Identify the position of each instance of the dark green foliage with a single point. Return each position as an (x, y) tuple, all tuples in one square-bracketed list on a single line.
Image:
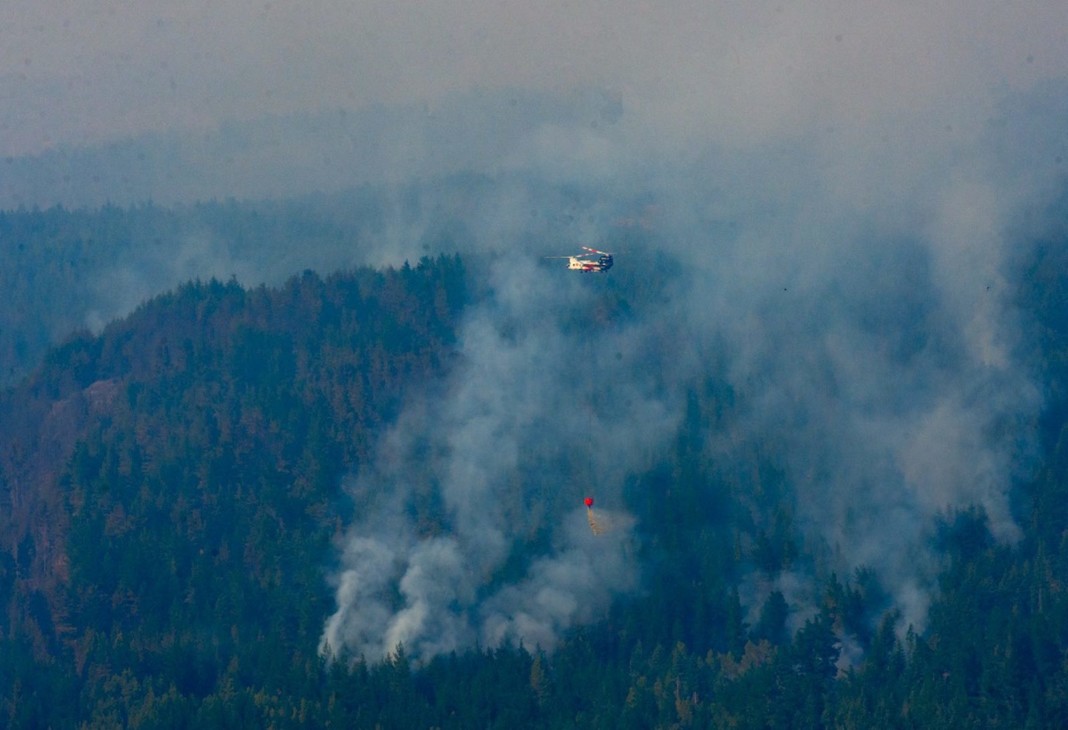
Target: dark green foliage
[(206, 436), (168, 568)]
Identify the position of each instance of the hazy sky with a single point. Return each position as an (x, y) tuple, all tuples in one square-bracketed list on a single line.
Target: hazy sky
[(83, 71)]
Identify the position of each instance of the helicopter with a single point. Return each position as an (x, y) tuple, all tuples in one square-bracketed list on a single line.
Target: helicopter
[(591, 261)]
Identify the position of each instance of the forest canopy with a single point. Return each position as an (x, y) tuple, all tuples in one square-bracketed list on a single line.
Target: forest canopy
[(185, 492)]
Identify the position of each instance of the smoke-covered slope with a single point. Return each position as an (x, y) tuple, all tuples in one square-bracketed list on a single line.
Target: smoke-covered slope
[(392, 465), (818, 401)]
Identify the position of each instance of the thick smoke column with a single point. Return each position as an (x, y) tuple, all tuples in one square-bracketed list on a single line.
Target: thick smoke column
[(844, 196), (499, 462), (869, 341), (874, 349)]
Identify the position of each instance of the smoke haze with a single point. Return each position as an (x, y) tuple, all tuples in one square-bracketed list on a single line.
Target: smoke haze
[(861, 309), (520, 434), (844, 191)]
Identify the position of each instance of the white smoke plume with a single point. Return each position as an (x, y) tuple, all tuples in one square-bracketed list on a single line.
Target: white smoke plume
[(858, 306), (877, 349), (504, 455), (843, 193)]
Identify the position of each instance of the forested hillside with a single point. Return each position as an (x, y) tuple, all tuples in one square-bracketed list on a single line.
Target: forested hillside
[(75, 268), (172, 505), (183, 467), (78, 269)]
